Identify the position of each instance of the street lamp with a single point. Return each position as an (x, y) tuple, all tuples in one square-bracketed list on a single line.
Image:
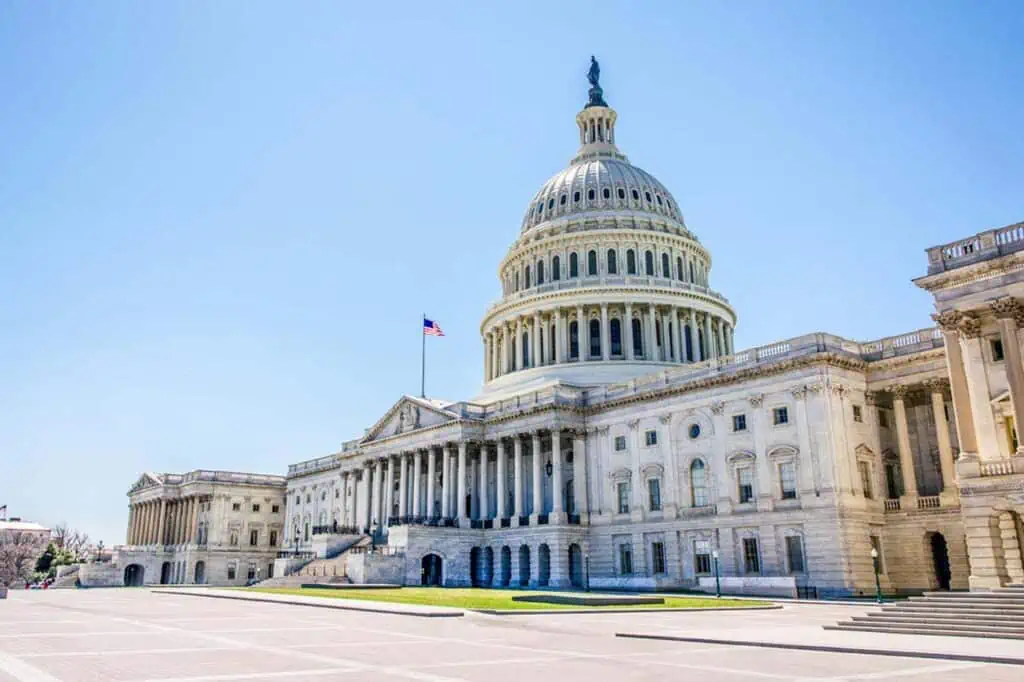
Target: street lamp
[(878, 584), (548, 468), (718, 583)]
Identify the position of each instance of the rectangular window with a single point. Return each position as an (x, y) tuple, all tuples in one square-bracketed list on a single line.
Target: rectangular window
[(658, 557), (275, 508), (751, 560), (654, 494), (780, 415), (234, 538), (997, 350), (883, 419), (857, 415), (865, 480), (298, 499), (702, 557), (231, 571), (620, 443), (795, 554), (746, 482), (651, 438), (739, 422), (876, 545), (252, 570), (625, 559), (255, 508), (273, 538), (254, 537), (236, 506), (787, 476), (623, 493)]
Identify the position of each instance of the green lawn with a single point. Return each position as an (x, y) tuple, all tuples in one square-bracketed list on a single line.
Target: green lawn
[(476, 598)]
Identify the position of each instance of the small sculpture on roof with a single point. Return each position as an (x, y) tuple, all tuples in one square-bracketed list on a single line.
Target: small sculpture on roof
[(595, 92)]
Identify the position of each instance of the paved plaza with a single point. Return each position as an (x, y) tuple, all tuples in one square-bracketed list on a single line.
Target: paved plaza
[(135, 635)]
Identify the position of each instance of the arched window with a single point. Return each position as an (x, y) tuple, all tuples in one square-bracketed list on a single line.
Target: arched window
[(698, 484), (561, 200), (630, 262), (540, 272), (574, 265), (527, 280), (576, 197), (647, 195), (590, 194), (592, 263), (613, 266), (679, 268), (574, 336), (556, 269), (595, 338), (606, 193), (525, 345), (622, 193), (551, 344), (691, 271), (666, 270), (648, 263), (638, 338), (517, 281), (636, 196), (616, 337)]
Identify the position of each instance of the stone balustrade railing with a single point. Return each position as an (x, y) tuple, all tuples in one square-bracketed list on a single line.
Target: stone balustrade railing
[(576, 283), (892, 504), (979, 247), (1003, 467), (929, 502), (223, 477), (313, 465)]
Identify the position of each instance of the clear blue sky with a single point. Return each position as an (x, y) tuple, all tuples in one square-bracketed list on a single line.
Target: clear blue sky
[(220, 222)]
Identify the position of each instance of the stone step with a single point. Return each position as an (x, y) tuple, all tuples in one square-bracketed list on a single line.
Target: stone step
[(918, 630), (945, 612), (964, 599), (1012, 625), (965, 606)]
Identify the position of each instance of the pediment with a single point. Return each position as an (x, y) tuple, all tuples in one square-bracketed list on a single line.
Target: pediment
[(146, 480), (407, 415)]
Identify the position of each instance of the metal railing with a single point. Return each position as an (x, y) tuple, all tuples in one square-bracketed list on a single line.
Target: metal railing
[(335, 529)]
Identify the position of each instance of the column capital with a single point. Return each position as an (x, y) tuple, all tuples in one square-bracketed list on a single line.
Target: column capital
[(718, 407), (937, 385), (948, 321), (756, 400), (1007, 308), (969, 326), (898, 391), (871, 397), (799, 393)]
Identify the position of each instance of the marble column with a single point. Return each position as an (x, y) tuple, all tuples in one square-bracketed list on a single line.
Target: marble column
[(504, 349), (666, 344), (344, 500), (517, 473), (942, 435), (605, 333), (559, 345), (651, 342), (978, 388), (719, 339), (694, 337), (557, 503), (460, 497), (538, 488), (579, 472), (162, 524), (378, 492), (417, 483), (1007, 312), (368, 487), (903, 442), (517, 351), (958, 383), (536, 358), (446, 481), (482, 483), (403, 488), (193, 524), (627, 332), (389, 491), (677, 330), (580, 332), (431, 480), (709, 346), (501, 488), (129, 537)]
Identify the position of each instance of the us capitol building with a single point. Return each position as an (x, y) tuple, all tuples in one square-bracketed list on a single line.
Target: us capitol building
[(621, 441)]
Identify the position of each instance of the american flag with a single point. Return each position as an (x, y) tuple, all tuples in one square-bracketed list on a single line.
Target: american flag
[(431, 328)]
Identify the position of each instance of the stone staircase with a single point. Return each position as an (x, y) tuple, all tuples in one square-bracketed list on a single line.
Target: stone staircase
[(999, 613), (331, 571)]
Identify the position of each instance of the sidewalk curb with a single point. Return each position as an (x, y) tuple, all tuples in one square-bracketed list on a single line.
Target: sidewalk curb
[(326, 605), (599, 610), (830, 649)]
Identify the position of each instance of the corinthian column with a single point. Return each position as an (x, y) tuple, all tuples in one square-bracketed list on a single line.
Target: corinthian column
[(1008, 311), (518, 351), (431, 477), (460, 501), (605, 336), (627, 331), (958, 383), (536, 360), (417, 467), (942, 433), (677, 331), (899, 393)]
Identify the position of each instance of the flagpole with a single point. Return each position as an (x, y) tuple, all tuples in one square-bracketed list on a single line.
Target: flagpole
[(423, 358)]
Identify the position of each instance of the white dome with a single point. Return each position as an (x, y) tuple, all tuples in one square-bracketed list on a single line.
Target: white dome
[(600, 184)]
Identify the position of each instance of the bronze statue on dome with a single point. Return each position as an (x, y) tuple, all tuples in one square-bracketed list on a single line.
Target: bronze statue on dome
[(595, 92)]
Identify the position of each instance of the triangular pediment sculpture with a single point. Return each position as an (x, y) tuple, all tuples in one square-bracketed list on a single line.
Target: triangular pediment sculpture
[(407, 415)]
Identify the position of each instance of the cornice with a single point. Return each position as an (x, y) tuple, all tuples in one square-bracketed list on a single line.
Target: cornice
[(975, 272), (903, 360)]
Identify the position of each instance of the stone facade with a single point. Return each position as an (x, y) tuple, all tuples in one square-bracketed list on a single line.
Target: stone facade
[(621, 441)]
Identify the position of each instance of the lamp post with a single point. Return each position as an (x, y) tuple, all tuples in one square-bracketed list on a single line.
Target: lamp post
[(296, 543), (878, 584), (718, 583)]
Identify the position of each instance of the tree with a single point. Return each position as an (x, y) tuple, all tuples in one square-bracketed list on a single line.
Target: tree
[(46, 559), (69, 539), (18, 553)]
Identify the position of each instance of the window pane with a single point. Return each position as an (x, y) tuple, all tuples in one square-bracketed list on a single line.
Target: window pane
[(698, 484), (654, 493), (751, 560), (795, 554), (623, 492), (787, 474), (746, 483)]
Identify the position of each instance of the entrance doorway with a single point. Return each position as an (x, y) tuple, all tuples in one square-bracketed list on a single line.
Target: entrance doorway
[(940, 559), (575, 565), (474, 567), (134, 575), (200, 574), (431, 572), (166, 573)]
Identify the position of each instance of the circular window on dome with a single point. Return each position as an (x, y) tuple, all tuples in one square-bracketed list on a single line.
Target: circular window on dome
[(622, 193), (636, 195), (694, 431), (590, 194), (607, 193), (562, 200), (576, 197), (648, 195)]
